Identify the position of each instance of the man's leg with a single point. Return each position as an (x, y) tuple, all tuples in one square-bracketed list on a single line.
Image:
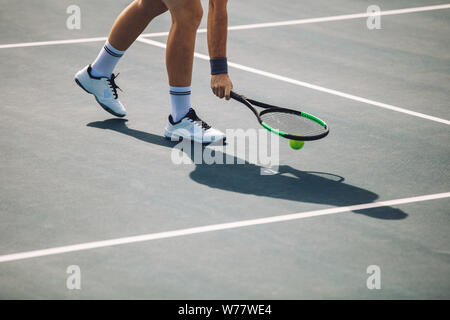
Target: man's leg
[(97, 78), (125, 30), (186, 17), (183, 121), (132, 22)]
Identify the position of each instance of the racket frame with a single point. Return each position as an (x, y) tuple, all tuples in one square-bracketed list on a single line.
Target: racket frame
[(271, 108)]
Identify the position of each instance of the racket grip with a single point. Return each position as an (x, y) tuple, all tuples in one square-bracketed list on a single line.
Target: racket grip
[(237, 96)]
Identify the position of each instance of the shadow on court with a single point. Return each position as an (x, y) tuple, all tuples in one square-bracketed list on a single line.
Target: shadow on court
[(289, 183)]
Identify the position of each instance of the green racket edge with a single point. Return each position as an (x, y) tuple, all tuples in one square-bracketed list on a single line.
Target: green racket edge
[(284, 134)]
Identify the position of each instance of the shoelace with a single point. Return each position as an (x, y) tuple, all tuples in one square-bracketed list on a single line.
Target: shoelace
[(113, 85), (192, 116)]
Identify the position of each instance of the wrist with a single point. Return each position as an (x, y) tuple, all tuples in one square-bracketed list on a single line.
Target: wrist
[(219, 66)]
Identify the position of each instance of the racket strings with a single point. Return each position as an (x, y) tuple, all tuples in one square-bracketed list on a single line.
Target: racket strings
[(292, 124)]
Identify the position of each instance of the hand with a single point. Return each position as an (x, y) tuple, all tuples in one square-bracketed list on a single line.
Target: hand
[(221, 85)]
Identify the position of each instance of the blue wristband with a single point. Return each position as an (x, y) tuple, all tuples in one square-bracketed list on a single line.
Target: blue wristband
[(218, 65)]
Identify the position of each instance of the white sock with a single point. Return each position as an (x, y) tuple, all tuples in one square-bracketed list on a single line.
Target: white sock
[(106, 61), (181, 102)]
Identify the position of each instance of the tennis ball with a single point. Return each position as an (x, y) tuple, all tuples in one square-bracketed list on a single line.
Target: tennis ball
[(296, 144)]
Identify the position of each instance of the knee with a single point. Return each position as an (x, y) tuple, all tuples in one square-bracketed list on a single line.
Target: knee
[(197, 15), (188, 15), (151, 7), (218, 3)]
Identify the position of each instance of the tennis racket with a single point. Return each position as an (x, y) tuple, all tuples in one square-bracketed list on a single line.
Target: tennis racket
[(287, 123)]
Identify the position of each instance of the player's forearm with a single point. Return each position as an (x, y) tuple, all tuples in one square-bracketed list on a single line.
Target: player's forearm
[(217, 28)]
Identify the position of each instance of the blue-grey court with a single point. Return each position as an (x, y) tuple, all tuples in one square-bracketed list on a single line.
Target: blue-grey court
[(73, 175)]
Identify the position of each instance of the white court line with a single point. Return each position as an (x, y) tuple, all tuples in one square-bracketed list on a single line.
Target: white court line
[(244, 26), (335, 18), (310, 86), (50, 43), (214, 227), (70, 41)]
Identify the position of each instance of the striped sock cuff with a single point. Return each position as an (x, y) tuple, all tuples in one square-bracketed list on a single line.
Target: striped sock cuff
[(180, 91), (175, 93), (113, 51)]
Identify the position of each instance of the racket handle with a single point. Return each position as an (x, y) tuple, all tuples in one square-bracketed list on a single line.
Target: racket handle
[(237, 96), (241, 98)]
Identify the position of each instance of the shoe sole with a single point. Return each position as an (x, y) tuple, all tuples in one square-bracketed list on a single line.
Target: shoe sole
[(106, 108)]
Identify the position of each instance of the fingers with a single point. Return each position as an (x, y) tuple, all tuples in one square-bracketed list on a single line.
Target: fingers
[(228, 92), (221, 86), (219, 91)]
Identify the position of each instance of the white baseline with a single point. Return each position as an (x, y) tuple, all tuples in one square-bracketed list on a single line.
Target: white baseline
[(335, 18), (244, 26), (214, 227)]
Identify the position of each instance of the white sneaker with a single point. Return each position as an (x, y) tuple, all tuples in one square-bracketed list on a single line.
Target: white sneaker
[(191, 127), (103, 89)]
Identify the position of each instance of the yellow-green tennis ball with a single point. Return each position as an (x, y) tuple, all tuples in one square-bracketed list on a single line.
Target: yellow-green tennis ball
[(296, 144)]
